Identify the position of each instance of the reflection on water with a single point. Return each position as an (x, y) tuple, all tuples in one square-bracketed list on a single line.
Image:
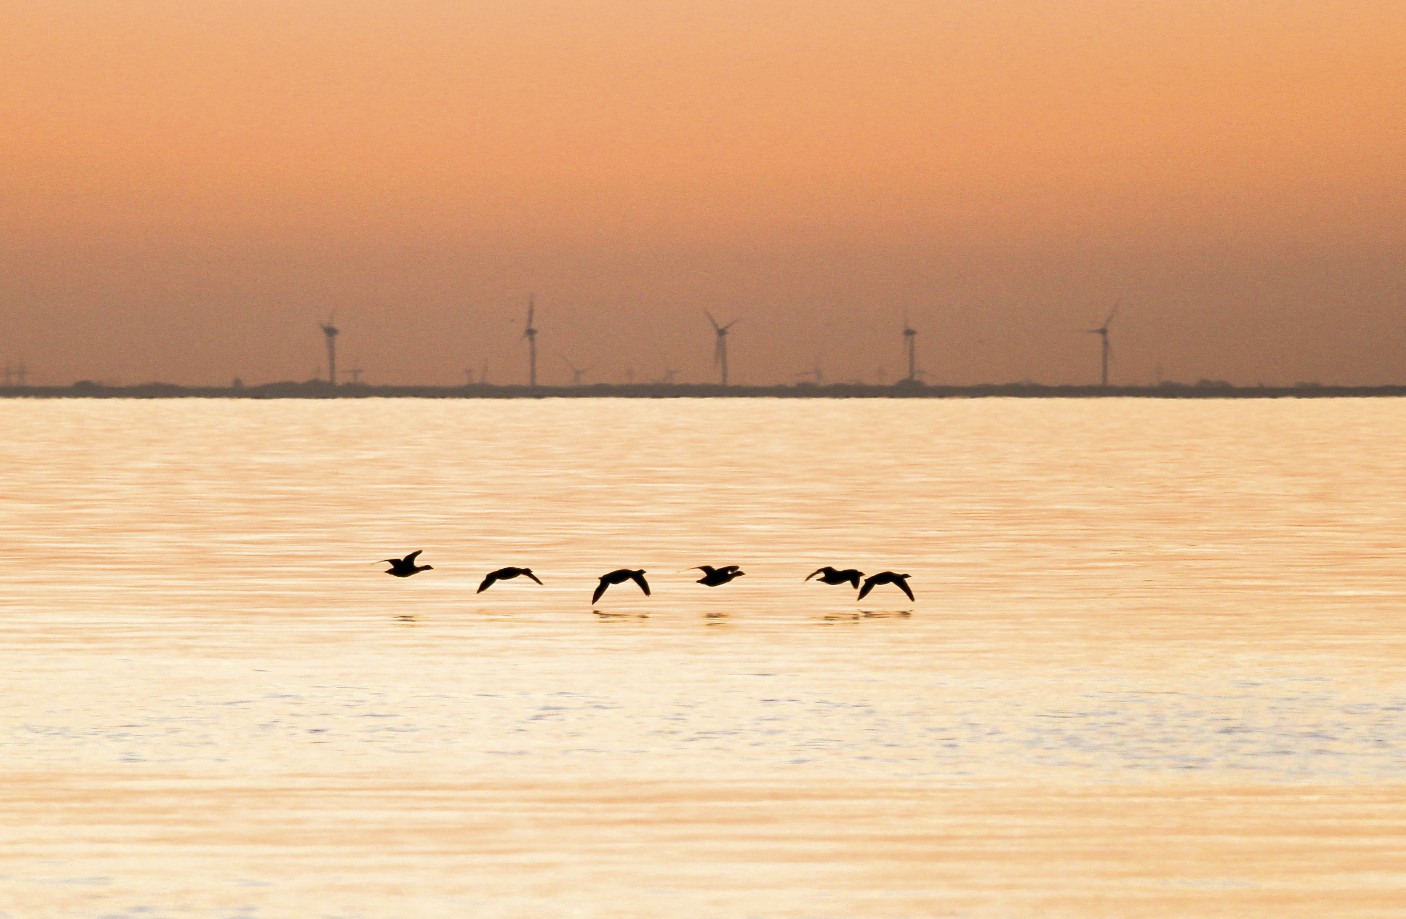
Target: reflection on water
[(1152, 674)]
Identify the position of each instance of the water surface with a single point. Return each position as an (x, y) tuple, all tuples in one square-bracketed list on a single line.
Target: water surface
[(1154, 668)]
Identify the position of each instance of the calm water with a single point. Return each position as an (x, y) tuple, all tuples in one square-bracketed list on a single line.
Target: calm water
[(1156, 664)]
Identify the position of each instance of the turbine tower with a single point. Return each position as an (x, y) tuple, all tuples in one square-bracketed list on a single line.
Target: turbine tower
[(331, 331), (720, 347), (1107, 349), (910, 341), (530, 334)]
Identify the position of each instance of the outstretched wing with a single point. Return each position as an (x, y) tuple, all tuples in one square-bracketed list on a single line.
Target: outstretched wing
[(903, 586), (600, 589), (410, 559), (853, 575), (864, 591), (488, 582), (638, 578), (528, 572), (814, 573), (708, 570)]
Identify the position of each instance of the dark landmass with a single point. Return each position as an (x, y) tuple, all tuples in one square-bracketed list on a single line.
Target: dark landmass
[(317, 389)]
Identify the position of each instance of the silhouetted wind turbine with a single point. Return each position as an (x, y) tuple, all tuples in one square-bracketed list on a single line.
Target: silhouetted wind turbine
[(720, 348), (816, 374), (668, 378), (331, 331), (576, 372), (1107, 349), (530, 334), (910, 340)]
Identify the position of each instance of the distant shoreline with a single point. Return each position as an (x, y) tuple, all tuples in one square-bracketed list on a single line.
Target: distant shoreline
[(904, 390)]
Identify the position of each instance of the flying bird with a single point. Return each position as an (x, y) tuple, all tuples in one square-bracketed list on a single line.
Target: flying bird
[(619, 576), (405, 567), (503, 574), (886, 577), (712, 577), (829, 575)]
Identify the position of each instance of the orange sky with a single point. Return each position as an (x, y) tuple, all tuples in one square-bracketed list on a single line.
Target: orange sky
[(188, 187)]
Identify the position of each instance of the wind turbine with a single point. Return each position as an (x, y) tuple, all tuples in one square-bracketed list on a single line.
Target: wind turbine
[(331, 331), (576, 372), (816, 374), (910, 341), (1107, 349), (530, 334), (670, 374), (720, 348)]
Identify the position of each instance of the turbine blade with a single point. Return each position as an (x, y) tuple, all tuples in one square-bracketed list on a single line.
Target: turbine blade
[(1111, 313), (712, 320)]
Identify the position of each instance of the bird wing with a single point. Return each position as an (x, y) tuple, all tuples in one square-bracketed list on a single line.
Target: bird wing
[(638, 578), (814, 573), (410, 559), (489, 580), (853, 578), (868, 586), (600, 589), (706, 569), (528, 572), (903, 586)]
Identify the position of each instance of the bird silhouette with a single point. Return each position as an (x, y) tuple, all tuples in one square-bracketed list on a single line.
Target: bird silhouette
[(886, 577), (503, 574), (405, 567), (829, 575), (619, 576), (712, 577)]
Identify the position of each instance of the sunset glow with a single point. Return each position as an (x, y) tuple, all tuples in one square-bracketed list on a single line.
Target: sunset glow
[(189, 186)]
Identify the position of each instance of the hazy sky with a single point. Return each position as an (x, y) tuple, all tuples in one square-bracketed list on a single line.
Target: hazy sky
[(187, 188)]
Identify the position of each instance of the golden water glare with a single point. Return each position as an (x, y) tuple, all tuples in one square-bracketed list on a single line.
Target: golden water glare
[(1154, 669)]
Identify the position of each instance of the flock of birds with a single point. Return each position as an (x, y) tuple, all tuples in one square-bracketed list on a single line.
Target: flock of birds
[(712, 577)]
